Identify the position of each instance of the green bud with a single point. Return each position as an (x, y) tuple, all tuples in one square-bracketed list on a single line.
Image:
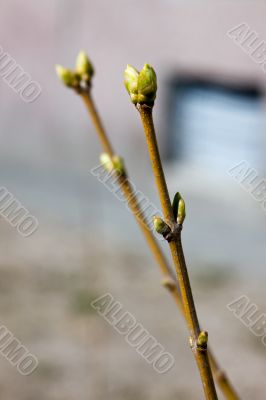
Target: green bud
[(68, 77), (141, 86), (179, 208), (131, 80), (84, 67), (202, 339), (118, 165), (181, 214), (147, 85), (160, 226), (106, 162)]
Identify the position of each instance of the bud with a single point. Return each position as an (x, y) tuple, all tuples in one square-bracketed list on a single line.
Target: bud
[(84, 67), (131, 79), (141, 86), (68, 77), (168, 282), (106, 162), (160, 226), (202, 339), (181, 214), (118, 165), (147, 85), (179, 208)]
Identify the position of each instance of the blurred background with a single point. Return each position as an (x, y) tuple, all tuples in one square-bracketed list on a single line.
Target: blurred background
[(210, 115)]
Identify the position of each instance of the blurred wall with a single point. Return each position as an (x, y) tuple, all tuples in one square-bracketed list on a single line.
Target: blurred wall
[(48, 146), (170, 35)]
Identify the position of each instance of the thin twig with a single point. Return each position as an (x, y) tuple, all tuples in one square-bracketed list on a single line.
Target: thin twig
[(168, 278), (201, 354)]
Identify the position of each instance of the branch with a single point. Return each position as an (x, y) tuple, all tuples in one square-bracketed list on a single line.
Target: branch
[(168, 279), (175, 244)]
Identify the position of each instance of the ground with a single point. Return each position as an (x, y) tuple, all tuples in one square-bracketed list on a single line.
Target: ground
[(46, 286)]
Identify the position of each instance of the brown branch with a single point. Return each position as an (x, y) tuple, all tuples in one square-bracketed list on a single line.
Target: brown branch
[(175, 245), (168, 278)]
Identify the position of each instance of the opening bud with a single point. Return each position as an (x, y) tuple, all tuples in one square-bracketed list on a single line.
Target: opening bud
[(84, 67), (141, 86), (68, 77), (131, 80), (147, 84)]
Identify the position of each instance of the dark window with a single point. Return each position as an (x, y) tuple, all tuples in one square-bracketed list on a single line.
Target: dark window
[(214, 124)]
